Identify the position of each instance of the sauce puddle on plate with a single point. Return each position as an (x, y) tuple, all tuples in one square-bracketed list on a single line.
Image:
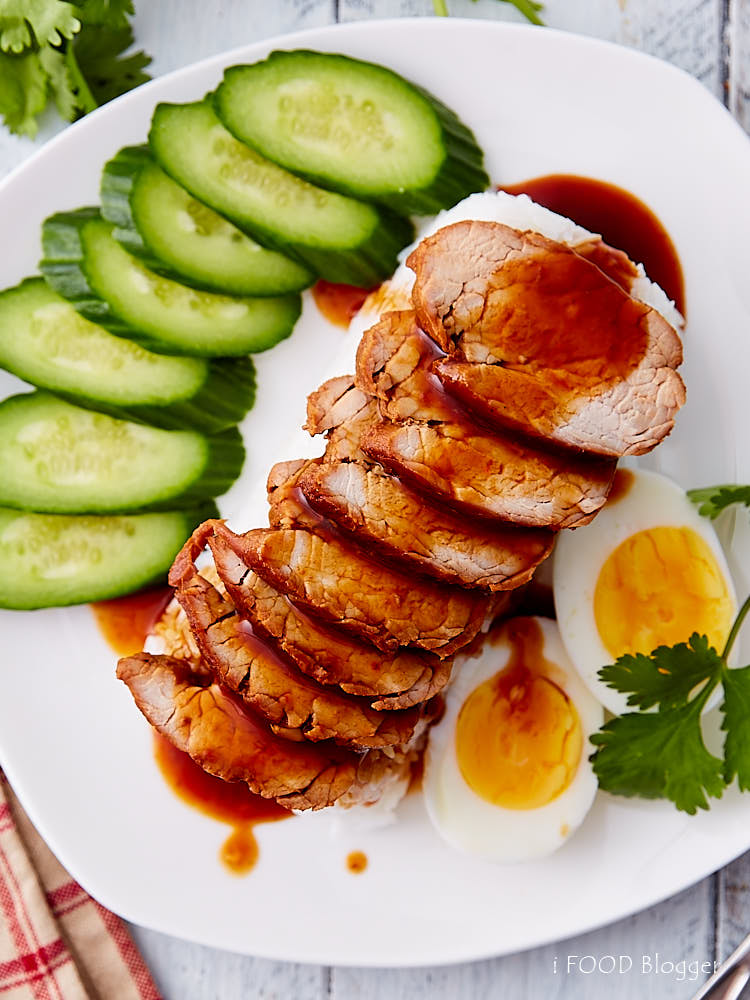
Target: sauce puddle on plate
[(339, 303), (622, 220), (125, 622), (228, 801)]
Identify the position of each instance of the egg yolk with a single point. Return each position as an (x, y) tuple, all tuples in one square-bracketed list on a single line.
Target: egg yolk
[(518, 739), (657, 588)]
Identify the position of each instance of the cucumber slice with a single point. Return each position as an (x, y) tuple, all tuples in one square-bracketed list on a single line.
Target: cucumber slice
[(340, 239), (58, 458), (45, 341), (51, 560), (85, 264), (354, 127), (180, 237)]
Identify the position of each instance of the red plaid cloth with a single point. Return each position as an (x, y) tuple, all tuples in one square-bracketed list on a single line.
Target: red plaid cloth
[(56, 942)]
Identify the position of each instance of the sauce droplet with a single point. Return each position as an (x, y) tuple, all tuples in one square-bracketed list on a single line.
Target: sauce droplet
[(356, 862), (621, 484), (228, 801), (416, 774), (339, 303), (622, 220), (126, 621)]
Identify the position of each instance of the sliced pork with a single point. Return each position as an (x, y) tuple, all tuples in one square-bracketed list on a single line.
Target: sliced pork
[(392, 680), (382, 512), (295, 705), (287, 505), (354, 411), (395, 362), (542, 340), (432, 443), (492, 475), (204, 720), (339, 583)]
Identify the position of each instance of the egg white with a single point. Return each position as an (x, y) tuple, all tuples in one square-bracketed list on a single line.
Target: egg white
[(466, 820), (651, 500)]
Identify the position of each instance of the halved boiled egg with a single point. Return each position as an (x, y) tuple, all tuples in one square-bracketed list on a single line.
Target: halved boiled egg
[(507, 776), (648, 571)]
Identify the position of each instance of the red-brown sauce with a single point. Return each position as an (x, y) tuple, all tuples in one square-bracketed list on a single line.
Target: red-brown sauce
[(126, 621), (356, 862), (339, 303), (623, 221), (230, 802), (416, 775), (621, 484), (526, 641)]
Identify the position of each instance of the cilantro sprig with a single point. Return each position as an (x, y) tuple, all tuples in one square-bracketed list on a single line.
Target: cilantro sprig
[(69, 52), (529, 8), (661, 754), (714, 500)]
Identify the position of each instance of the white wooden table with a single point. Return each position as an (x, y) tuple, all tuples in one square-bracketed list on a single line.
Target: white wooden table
[(711, 40)]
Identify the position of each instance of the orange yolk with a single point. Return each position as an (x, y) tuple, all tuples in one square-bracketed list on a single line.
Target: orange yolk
[(518, 739), (657, 588)]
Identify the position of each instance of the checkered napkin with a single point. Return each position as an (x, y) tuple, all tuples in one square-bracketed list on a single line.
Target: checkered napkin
[(56, 942)]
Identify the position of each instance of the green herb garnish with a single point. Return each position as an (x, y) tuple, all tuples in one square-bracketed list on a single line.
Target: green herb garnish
[(713, 500), (661, 754), (71, 52)]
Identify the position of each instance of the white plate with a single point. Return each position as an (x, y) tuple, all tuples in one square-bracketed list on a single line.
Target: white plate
[(71, 741)]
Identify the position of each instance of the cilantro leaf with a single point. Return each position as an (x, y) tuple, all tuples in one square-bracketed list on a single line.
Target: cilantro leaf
[(23, 91), (60, 83), (46, 22), (113, 13), (712, 500), (666, 677), (659, 755), (736, 723), (98, 54), (71, 52)]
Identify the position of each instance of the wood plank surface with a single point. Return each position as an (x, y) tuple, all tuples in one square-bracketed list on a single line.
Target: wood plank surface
[(637, 957), (711, 40), (186, 971), (687, 33), (738, 43)]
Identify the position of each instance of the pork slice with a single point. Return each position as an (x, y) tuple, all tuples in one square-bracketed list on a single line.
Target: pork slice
[(391, 680), (329, 578), (385, 513), (287, 506), (629, 418), (614, 263), (492, 475), (332, 403), (580, 362), (351, 412), (295, 705), (203, 719), (395, 362)]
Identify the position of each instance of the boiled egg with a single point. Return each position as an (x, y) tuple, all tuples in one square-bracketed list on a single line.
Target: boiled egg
[(507, 776), (648, 571)]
